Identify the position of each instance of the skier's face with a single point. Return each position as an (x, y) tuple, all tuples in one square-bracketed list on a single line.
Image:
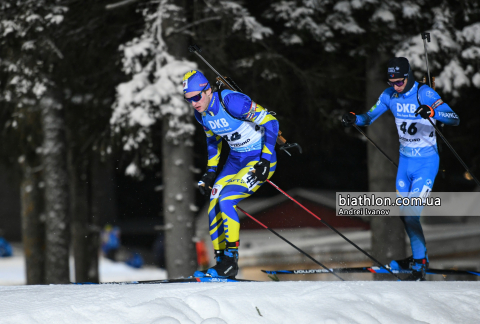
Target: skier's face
[(202, 104), (401, 87)]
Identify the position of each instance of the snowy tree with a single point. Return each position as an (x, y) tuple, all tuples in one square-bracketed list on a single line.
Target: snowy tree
[(155, 93), (30, 53), (453, 51)]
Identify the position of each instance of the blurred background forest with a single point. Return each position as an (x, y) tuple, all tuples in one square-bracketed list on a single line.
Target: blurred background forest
[(94, 129)]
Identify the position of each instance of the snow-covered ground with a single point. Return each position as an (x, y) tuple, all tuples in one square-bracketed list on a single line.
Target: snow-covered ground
[(217, 303), (12, 270), (248, 302)]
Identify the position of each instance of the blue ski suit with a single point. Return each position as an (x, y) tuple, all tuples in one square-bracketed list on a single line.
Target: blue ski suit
[(419, 159), (251, 132)]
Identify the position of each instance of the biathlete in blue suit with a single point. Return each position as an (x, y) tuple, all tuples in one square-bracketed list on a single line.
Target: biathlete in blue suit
[(251, 132), (411, 104)]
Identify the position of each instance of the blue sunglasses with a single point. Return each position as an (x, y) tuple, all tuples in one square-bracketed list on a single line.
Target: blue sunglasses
[(397, 83), (196, 98)]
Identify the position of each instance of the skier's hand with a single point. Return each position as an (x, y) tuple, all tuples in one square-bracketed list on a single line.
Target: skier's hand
[(348, 119), (262, 169), (425, 111), (206, 183)]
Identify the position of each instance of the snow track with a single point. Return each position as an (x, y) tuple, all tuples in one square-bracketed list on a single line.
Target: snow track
[(248, 302)]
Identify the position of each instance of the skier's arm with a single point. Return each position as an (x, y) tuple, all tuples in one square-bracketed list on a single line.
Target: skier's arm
[(376, 111), (242, 107), (214, 145), (446, 115), (270, 123), (441, 110)]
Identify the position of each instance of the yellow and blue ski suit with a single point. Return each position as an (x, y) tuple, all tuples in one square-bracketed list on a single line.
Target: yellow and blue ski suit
[(251, 132)]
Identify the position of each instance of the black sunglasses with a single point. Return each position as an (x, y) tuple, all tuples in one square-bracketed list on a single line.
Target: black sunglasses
[(397, 83), (196, 98)]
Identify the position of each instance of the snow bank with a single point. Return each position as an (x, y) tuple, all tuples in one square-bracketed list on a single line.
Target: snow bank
[(12, 271), (252, 302)]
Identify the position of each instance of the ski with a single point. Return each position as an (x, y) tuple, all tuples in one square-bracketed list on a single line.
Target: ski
[(370, 270), (164, 281)]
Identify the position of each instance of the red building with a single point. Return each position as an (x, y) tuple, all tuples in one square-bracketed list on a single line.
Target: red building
[(280, 212)]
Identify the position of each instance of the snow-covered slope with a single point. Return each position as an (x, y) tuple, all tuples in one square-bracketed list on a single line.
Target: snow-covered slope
[(250, 302), (12, 271)]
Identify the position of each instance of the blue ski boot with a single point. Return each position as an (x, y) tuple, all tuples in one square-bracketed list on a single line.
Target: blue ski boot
[(419, 268), (228, 266), (405, 264), (219, 255)]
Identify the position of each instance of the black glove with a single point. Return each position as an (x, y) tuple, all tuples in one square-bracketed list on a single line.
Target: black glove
[(262, 169), (206, 183), (348, 119), (425, 111)]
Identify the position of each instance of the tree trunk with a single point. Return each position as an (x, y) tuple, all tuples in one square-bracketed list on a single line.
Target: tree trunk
[(178, 193), (84, 234), (388, 235), (56, 191), (33, 227)]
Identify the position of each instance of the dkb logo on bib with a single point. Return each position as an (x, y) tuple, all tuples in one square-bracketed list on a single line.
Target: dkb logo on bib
[(219, 123)]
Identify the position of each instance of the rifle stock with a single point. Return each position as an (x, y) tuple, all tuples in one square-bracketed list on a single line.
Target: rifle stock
[(433, 81)]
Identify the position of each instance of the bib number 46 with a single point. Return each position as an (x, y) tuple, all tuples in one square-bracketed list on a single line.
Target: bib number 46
[(412, 129)]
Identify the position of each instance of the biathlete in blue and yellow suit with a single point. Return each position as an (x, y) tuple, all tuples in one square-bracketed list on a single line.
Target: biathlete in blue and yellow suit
[(251, 132), (411, 104)]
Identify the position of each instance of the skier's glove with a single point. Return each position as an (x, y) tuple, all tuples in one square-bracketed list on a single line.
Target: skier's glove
[(262, 169), (425, 111), (348, 119), (206, 183)]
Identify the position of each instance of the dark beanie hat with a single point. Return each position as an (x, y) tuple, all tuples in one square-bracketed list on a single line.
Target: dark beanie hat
[(398, 67)]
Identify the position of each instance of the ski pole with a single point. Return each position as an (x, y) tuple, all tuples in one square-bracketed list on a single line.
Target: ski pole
[(454, 152), (426, 38), (363, 133), (333, 229), (297, 248)]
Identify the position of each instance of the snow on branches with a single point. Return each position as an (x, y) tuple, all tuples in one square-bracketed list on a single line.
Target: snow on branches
[(359, 27), (243, 20), (26, 27), (452, 52), (154, 91)]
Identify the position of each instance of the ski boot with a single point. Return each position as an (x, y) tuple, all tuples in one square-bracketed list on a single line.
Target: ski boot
[(406, 264), (419, 268), (228, 266), (219, 255)]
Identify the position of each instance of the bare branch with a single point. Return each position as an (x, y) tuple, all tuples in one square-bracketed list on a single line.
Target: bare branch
[(54, 48), (119, 4), (193, 24)]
